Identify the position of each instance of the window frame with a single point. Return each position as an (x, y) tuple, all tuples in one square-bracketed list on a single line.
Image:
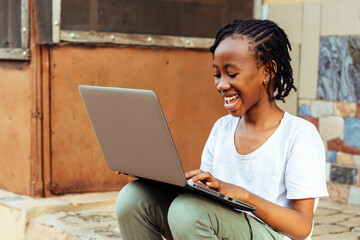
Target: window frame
[(22, 53), (147, 40)]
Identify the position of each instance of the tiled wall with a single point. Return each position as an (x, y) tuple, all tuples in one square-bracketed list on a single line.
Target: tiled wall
[(339, 68), (327, 73), (339, 126)]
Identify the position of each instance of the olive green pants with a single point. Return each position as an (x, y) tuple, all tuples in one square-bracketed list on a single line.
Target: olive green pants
[(151, 211)]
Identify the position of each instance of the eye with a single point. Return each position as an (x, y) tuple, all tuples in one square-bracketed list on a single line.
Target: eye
[(232, 75), (217, 75)]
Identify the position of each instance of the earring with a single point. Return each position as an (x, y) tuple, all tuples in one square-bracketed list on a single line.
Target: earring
[(265, 81)]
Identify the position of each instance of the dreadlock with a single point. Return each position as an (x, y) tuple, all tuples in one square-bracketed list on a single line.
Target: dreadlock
[(269, 44)]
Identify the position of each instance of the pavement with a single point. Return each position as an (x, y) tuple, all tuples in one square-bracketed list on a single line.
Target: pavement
[(334, 220), (91, 217), (95, 224)]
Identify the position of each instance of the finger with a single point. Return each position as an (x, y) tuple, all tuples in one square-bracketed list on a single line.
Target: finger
[(214, 185), (193, 173), (203, 176), (201, 183)]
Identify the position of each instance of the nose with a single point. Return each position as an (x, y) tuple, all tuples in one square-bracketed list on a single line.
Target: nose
[(222, 85)]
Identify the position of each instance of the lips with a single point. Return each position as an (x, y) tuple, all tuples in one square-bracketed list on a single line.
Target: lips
[(230, 102)]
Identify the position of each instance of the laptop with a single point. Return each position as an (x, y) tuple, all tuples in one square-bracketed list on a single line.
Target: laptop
[(134, 138)]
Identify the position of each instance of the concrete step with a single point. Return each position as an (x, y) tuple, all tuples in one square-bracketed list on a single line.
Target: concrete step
[(91, 216), (94, 224), (74, 216)]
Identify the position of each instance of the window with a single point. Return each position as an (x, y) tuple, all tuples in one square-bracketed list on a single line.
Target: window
[(14, 29), (172, 23)]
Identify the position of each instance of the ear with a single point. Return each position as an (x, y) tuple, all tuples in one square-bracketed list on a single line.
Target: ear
[(272, 69)]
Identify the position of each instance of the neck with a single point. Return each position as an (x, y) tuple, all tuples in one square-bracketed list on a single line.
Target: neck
[(262, 116)]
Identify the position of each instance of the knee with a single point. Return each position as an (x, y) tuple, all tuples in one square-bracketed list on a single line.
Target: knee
[(187, 212), (130, 198), (186, 205)]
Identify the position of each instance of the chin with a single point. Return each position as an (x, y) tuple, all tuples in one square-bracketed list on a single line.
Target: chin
[(236, 114)]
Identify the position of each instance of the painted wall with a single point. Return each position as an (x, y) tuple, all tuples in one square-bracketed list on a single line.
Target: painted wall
[(15, 126), (47, 145), (21, 118), (182, 79)]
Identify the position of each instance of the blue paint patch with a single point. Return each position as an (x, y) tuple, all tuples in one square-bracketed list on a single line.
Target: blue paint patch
[(304, 110), (352, 131), (331, 156)]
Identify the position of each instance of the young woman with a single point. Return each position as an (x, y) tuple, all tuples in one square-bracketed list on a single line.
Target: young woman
[(258, 154)]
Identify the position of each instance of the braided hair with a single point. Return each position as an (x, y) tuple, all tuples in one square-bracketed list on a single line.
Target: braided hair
[(269, 44)]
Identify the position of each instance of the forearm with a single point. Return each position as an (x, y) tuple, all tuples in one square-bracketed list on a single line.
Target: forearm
[(295, 222)]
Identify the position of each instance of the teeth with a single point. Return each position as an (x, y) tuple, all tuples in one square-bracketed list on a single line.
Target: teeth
[(231, 98)]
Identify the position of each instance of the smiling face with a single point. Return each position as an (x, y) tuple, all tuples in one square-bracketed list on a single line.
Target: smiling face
[(238, 78)]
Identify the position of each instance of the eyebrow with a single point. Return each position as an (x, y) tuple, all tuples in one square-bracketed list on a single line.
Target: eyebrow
[(226, 65)]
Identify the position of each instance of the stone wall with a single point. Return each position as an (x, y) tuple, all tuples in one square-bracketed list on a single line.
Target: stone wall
[(327, 76), (339, 126)]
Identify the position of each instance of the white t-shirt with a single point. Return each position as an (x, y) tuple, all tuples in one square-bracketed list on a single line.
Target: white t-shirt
[(289, 165)]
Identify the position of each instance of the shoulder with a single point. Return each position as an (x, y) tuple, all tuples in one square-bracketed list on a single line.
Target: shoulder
[(298, 124), (300, 129)]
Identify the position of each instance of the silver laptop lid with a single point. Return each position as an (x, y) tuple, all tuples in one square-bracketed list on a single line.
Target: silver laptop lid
[(132, 133)]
